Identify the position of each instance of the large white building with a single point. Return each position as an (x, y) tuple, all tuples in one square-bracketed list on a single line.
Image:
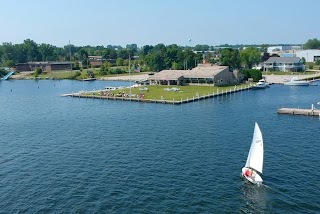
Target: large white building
[(284, 64), (310, 55)]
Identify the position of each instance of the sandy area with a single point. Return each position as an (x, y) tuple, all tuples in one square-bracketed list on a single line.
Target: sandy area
[(269, 78), (282, 78)]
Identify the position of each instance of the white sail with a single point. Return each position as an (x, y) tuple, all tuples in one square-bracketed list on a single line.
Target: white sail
[(255, 157)]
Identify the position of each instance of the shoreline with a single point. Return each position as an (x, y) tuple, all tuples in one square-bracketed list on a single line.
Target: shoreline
[(273, 79)]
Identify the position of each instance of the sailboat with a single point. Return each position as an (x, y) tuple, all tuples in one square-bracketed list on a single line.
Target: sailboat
[(254, 162)]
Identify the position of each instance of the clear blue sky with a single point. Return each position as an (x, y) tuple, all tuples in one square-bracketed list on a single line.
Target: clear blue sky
[(121, 22)]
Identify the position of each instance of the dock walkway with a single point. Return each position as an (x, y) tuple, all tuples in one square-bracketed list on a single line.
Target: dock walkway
[(6, 77), (298, 111)]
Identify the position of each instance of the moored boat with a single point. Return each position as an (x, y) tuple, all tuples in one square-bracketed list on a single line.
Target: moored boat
[(295, 81), (261, 84)]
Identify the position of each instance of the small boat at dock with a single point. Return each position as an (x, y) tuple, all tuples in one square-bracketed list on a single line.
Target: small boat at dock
[(261, 84)]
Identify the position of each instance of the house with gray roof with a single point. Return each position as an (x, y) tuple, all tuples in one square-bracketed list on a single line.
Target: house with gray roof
[(286, 64), (203, 74)]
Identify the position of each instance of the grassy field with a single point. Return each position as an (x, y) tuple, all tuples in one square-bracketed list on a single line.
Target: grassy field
[(67, 74), (158, 92)]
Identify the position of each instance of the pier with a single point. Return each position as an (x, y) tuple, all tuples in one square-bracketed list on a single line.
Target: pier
[(298, 111), (93, 95), (6, 77)]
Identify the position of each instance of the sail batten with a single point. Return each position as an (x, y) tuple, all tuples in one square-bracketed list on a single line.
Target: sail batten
[(255, 156)]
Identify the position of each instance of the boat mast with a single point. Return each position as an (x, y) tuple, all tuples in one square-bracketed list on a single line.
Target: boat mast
[(70, 56), (129, 77)]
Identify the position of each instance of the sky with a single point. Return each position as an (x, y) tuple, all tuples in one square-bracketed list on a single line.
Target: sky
[(151, 22)]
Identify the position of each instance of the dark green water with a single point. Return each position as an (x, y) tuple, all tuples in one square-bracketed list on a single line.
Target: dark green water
[(71, 155)]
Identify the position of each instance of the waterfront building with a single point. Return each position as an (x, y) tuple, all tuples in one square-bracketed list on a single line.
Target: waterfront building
[(203, 74), (96, 61), (284, 64), (45, 66)]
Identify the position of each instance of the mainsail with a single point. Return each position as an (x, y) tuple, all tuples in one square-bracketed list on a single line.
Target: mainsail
[(255, 156)]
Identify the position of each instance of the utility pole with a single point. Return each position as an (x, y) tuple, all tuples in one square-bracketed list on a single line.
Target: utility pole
[(70, 56)]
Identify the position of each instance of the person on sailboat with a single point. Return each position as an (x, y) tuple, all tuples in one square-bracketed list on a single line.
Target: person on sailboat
[(250, 173), (247, 172)]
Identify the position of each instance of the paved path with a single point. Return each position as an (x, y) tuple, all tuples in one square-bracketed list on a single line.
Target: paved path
[(280, 79)]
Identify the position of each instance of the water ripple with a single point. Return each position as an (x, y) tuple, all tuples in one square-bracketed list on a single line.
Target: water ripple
[(70, 155)]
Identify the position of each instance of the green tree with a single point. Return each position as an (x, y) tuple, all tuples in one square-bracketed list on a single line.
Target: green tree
[(85, 63), (119, 62), (9, 63), (106, 53), (155, 61), (113, 54), (145, 50), (171, 55), (104, 69), (3, 72), (32, 50), (201, 48), (83, 54), (46, 50), (311, 66), (312, 44), (75, 65), (9, 52), (249, 57), (265, 57), (37, 72), (230, 57), (256, 75)]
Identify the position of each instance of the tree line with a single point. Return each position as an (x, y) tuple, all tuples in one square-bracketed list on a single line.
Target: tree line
[(148, 57)]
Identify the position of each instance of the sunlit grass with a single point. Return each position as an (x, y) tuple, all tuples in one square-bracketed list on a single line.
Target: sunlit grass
[(157, 92)]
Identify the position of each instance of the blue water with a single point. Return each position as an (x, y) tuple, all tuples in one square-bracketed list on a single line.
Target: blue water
[(72, 155)]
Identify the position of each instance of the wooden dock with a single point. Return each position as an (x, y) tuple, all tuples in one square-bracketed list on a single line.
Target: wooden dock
[(91, 95), (298, 111)]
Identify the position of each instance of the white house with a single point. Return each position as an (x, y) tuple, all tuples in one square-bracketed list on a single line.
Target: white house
[(284, 64)]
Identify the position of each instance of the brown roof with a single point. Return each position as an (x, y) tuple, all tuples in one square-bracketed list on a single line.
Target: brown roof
[(202, 71)]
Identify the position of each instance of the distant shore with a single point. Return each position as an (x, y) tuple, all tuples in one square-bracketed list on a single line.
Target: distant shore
[(275, 79)]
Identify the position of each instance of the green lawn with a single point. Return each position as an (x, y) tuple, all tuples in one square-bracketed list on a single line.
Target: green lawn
[(185, 92), (66, 74)]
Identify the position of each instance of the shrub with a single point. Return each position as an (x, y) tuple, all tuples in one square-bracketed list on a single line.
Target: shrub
[(37, 72), (256, 75), (74, 75)]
